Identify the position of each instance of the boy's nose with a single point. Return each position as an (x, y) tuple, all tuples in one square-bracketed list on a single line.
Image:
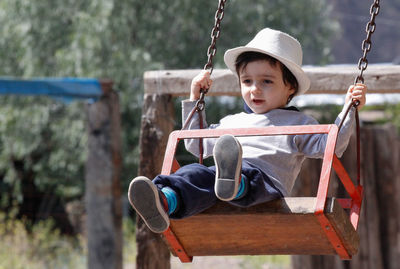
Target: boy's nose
[(254, 88)]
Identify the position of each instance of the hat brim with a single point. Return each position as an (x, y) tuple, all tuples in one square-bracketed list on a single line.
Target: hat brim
[(302, 79)]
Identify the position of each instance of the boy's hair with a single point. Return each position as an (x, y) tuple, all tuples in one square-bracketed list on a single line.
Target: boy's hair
[(251, 56)]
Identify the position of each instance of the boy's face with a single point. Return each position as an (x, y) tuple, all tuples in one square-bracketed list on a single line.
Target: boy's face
[(262, 86)]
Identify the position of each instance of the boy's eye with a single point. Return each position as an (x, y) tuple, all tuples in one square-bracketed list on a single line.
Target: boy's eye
[(267, 81), (246, 81)]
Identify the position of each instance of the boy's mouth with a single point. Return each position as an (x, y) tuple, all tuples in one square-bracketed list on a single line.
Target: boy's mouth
[(258, 101)]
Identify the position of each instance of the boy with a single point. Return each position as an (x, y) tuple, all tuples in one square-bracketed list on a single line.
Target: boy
[(248, 170)]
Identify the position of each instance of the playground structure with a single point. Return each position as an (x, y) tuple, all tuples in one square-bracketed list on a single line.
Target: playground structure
[(103, 196), (158, 121), (102, 174)]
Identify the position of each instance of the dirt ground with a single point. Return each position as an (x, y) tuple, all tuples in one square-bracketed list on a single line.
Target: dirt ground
[(208, 262), (225, 262)]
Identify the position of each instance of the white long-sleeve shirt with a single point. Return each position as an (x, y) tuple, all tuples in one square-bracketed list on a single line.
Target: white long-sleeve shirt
[(279, 157)]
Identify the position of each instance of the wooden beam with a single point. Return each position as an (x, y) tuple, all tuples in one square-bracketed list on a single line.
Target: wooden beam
[(103, 186), (157, 123), (324, 80), (106, 85)]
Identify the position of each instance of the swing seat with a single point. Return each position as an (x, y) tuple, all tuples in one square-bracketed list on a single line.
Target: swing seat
[(289, 226), (284, 226)]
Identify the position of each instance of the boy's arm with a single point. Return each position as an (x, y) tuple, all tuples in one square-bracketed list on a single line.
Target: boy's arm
[(201, 81), (192, 145), (354, 93), (313, 146), (357, 92)]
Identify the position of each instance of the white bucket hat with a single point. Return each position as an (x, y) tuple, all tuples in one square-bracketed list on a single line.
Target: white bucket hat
[(279, 45)]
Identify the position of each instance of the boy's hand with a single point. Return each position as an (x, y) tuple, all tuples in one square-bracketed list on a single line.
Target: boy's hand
[(201, 81), (357, 92)]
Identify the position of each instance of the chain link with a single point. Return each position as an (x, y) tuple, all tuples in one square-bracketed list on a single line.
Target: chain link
[(362, 65), (215, 33), (212, 49), (367, 44)]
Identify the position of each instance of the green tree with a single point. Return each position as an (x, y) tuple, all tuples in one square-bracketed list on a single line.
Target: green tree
[(118, 40), (177, 33)]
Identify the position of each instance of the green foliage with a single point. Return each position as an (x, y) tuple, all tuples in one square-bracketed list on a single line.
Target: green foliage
[(393, 112), (118, 40), (308, 21), (177, 34), (387, 113), (325, 114), (49, 138)]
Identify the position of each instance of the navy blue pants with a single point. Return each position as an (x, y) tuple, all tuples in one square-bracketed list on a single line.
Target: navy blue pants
[(194, 184)]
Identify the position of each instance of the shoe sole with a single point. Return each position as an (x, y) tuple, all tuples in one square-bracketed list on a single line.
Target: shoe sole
[(228, 161), (145, 199)]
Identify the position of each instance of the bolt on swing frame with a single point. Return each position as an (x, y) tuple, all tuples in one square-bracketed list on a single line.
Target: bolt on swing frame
[(330, 161)]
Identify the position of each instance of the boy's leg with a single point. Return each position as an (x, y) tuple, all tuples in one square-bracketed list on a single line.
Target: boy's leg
[(228, 162), (194, 186), (190, 190), (259, 187), (145, 198)]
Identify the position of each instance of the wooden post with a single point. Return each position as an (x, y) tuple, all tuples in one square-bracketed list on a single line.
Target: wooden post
[(102, 176), (157, 123), (387, 175)]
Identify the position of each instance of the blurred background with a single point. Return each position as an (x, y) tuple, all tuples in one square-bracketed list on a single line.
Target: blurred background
[(43, 141)]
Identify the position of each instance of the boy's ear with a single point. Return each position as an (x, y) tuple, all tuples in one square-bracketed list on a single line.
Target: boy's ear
[(292, 93)]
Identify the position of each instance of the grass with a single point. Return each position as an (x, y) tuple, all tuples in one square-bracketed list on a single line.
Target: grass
[(24, 246), (235, 262), (38, 246), (273, 262), (129, 241)]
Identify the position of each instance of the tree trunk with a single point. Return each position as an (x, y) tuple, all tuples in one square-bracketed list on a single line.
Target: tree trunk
[(157, 123), (103, 189), (380, 219), (36, 204)]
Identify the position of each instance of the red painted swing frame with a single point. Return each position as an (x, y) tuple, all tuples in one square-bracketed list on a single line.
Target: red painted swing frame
[(330, 160)]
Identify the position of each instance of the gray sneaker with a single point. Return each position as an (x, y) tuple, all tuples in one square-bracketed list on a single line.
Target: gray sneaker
[(228, 161), (144, 197)]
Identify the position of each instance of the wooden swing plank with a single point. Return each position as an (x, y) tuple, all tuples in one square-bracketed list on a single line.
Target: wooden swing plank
[(284, 226)]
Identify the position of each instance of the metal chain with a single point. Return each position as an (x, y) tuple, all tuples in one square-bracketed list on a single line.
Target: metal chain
[(362, 66), (212, 49), (367, 44), (215, 33)]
